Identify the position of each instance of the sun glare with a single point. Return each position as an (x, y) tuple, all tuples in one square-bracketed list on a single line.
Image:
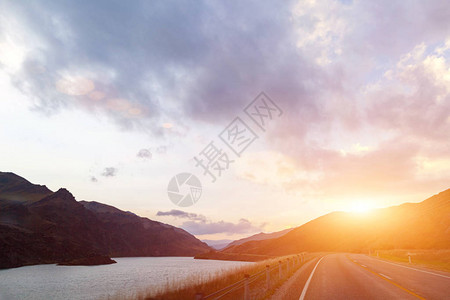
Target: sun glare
[(360, 207)]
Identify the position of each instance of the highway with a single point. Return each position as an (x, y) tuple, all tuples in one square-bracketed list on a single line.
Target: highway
[(357, 276)]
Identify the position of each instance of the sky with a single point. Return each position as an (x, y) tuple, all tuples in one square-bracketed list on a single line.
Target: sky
[(112, 99)]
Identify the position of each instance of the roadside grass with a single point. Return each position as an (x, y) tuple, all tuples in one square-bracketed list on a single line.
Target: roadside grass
[(434, 259), (187, 289), (292, 288)]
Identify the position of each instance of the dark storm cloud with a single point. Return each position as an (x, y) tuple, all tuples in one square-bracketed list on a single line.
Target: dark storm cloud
[(125, 49), (211, 58)]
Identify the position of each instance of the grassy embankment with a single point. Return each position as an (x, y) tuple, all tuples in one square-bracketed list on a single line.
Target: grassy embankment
[(217, 255), (187, 289), (435, 259)]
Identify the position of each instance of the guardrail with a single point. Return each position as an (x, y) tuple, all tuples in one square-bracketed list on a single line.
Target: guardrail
[(286, 267)]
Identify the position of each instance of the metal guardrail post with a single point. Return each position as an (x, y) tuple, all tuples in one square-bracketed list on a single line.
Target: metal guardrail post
[(246, 287), (267, 277), (280, 272)]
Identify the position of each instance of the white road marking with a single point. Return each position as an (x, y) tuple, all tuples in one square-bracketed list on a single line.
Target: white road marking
[(385, 276), (413, 269), (364, 266), (302, 296)]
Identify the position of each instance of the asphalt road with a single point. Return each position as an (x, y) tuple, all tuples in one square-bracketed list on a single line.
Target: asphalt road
[(357, 276)]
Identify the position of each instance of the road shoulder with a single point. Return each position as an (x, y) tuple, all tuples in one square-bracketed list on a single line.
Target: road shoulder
[(290, 289)]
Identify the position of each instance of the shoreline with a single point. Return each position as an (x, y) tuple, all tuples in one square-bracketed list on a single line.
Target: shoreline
[(215, 255)]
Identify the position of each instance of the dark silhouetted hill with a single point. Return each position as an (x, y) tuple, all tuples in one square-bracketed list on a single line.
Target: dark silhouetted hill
[(38, 226), (424, 225), (143, 236)]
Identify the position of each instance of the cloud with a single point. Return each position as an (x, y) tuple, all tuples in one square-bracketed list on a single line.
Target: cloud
[(144, 153), (189, 63), (402, 139), (140, 62), (147, 60), (414, 99), (109, 172), (161, 149), (182, 214), (199, 224), (241, 227), (147, 153), (344, 72)]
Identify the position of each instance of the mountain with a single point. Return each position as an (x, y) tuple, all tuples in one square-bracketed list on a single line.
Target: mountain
[(260, 237), (218, 244), (40, 226), (222, 244), (131, 235), (17, 189), (424, 225)]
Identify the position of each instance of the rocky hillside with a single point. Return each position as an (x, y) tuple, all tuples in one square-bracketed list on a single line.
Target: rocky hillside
[(40, 226), (424, 225)]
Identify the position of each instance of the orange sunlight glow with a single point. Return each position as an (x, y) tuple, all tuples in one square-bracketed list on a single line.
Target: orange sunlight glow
[(360, 206), (167, 125)]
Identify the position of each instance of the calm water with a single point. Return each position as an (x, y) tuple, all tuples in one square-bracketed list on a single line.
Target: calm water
[(129, 275)]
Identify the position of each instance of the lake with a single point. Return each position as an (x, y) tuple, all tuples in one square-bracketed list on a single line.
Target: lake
[(128, 276)]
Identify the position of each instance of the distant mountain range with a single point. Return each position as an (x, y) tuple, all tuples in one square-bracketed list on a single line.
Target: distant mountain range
[(40, 226), (259, 237), (424, 225), (222, 244), (218, 244)]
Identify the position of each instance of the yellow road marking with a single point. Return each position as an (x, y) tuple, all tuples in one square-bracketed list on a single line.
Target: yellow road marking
[(388, 280)]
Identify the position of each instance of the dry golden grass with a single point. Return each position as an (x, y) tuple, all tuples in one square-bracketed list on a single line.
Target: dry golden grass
[(187, 289), (435, 259)]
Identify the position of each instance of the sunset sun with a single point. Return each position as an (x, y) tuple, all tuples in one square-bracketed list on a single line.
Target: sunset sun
[(361, 206)]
